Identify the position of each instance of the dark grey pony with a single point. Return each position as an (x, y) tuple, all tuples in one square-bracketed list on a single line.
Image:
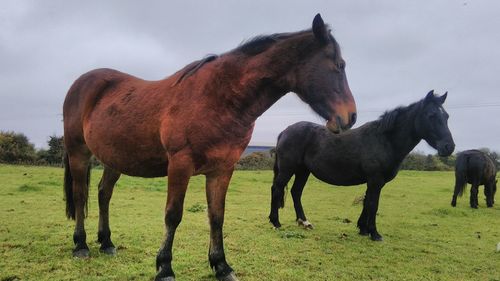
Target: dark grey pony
[(477, 168), (369, 154)]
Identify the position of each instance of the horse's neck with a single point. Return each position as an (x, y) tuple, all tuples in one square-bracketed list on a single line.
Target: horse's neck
[(254, 90), (404, 137)]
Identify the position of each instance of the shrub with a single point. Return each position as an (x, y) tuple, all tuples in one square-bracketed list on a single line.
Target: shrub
[(15, 148), (255, 161)]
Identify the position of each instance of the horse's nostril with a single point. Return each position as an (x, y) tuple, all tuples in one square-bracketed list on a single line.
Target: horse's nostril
[(449, 147), (352, 119)]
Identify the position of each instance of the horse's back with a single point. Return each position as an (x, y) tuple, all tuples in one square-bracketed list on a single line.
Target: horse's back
[(88, 88), (477, 166), (293, 141)]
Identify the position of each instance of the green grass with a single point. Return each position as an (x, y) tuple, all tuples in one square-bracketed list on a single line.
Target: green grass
[(424, 238)]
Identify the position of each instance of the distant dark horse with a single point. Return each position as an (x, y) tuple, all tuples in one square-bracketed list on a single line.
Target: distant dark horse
[(477, 168), (369, 154), (197, 121)]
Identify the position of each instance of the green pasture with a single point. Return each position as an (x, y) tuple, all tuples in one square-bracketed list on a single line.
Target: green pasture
[(424, 237)]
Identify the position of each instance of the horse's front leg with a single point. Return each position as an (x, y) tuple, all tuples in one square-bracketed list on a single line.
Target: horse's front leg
[(371, 205), (180, 169), (363, 220), (216, 188)]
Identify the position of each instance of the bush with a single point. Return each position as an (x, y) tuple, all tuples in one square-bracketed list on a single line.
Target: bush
[(15, 148), (420, 162), (256, 161), (53, 155)]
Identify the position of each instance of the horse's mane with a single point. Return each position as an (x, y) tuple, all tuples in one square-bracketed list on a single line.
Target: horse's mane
[(261, 43), (250, 47), (191, 68), (387, 121)]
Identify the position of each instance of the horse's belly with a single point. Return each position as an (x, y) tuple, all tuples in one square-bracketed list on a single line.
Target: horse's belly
[(341, 179), (132, 163), (127, 149)]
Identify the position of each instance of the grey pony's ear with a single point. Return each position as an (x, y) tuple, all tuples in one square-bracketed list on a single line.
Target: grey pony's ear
[(319, 29), (442, 98), (429, 97)]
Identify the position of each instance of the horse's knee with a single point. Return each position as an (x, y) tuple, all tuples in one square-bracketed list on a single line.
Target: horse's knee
[(173, 216)]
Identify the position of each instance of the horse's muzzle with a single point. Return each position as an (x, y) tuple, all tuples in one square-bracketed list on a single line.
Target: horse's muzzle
[(446, 149), (341, 123)]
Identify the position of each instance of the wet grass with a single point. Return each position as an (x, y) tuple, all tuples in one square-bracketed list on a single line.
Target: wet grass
[(424, 238)]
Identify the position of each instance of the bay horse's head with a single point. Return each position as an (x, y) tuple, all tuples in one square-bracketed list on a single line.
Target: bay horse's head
[(321, 82), (432, 124)]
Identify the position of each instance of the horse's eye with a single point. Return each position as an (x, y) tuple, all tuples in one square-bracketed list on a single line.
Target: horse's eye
[(341, 65)]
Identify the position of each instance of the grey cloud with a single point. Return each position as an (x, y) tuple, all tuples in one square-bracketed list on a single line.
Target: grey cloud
[(395, 50)]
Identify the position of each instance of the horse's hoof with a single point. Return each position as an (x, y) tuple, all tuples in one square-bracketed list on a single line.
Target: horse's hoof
[(364, 233), (111, 251), (305, 224), (276, 225), (82, 253), (230, 277), (377, 238)]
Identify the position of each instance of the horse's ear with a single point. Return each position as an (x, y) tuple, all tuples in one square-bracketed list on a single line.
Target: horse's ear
[(442, 98), (429, 97), (319, 29)]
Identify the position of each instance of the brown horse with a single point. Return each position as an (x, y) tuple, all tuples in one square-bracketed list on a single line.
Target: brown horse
[(197, 121)]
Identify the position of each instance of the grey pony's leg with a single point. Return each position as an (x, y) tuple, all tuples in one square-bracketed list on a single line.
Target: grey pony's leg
[(473, 196), (297, 188), (278, 196)]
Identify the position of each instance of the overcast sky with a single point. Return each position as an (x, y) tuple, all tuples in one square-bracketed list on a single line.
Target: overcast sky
[(396, 51)]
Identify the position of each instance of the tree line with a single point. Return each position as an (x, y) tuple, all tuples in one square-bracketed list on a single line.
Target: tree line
[(15, 148)]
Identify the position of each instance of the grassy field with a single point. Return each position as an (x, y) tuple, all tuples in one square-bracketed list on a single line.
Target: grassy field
[(424, 238)]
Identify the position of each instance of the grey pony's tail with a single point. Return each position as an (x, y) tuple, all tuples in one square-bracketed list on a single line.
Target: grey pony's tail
[(276, 170), (461, 175)]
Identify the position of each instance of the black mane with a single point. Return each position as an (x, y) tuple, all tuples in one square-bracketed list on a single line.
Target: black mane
[(250, 47), (261, 43), (387, 121), (191, 68)]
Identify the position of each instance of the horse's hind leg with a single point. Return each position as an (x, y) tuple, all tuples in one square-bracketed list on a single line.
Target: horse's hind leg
[(297, 188), (488, 192), (460, 185), (474, 190), (106, 185), (216, 189), (278, 196), (78, 181)]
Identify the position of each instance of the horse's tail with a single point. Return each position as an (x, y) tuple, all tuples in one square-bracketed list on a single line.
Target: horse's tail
[(276, 170), (461, 174), (68, 189)]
